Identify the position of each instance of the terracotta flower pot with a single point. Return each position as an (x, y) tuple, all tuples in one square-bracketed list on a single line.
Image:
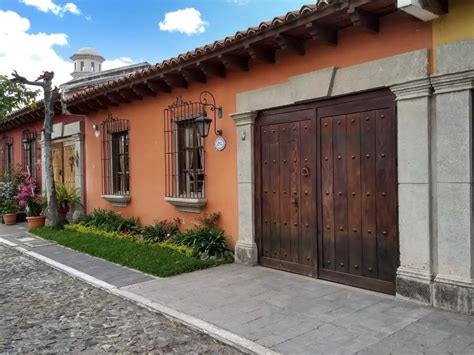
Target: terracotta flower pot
[(35, 221), (9, 218)]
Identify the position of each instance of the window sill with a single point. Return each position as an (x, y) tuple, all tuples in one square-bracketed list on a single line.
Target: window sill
[(192, 205), (117, 200)]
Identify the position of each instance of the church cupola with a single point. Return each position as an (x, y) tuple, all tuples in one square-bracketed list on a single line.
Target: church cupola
[(86, 61)]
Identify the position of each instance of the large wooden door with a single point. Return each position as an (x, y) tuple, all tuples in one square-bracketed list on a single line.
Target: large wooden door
[(358, 209), (326, 190), (285, 191)]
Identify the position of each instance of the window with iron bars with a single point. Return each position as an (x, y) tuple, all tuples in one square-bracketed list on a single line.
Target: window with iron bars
[(6, 155), (115, 157), (29, 152), (184, 151)]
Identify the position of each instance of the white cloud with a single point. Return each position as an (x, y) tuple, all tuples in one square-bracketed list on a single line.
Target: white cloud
[(50, 6), (30, 53), (116, 63), (186, 21)]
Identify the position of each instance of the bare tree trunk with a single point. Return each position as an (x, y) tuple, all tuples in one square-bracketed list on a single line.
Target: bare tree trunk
[(53, 214), (45, 81)]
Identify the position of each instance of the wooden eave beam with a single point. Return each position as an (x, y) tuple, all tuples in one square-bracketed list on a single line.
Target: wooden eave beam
[(94, 106), (291, 43), (216, 69), (365, 21), (129, 94), (234, 62), (259, 53), (100, 104), (193, 75), (322, 33), (119, 99), (105, 100), (174, 80), (76, 109), (143, 90), (157, 86)]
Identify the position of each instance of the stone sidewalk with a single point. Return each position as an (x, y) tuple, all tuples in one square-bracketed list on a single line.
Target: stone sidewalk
[(288, 313)]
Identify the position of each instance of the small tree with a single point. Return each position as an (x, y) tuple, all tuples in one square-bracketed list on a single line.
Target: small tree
[(13, 96), (45, 82)]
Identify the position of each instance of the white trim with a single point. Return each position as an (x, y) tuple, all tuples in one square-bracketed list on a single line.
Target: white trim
[(117, 200), (193, 205)]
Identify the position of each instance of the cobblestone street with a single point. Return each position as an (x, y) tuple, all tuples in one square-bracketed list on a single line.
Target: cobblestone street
[(42, 309)]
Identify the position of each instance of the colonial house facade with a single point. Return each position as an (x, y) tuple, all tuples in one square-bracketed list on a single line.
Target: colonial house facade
[(336, 141)]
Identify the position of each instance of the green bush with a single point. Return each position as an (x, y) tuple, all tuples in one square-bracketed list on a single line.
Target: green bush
[(205, 238), (161, 231), (110, 221)]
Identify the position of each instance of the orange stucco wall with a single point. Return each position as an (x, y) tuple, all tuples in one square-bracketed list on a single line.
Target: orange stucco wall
[(398, 34)]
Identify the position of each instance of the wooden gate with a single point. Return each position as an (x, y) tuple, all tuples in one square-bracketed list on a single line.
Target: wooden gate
[(326, 190), (285, 191)]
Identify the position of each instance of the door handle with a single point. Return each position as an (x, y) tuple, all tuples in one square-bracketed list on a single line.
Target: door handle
[(305, 171)]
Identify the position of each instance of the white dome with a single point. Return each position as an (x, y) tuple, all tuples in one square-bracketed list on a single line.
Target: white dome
[(87, 51)]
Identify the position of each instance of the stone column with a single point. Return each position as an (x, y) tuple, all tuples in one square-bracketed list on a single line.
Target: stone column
[(246, 251), (415, 273), (454, 284)]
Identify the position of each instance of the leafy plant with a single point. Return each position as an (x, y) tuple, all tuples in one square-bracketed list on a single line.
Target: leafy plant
[(110, 221), (67, 197), (206, 238), (161, 231), (14, 96), (9, 206), (29, 196)]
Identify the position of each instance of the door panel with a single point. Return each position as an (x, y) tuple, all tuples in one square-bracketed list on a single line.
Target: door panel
[(57, 154), (285, 193), (359, 239), (69, 166)]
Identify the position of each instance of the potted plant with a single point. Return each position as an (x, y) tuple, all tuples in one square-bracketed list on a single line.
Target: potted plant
[(68, 198), (32, 201), (9, 210)]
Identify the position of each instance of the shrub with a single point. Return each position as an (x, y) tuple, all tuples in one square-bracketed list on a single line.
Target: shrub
[(206, 238), (161, 231), (109, 221)]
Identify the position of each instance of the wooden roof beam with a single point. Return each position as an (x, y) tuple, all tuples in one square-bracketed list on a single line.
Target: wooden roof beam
[(94, 105), (234, 62), (193, 75), (143, 90), (365, 21), (291, 43), (259, 53), (216, 69), (129, 94), (175, 80), (119, 99), (76, 109), (157, 86), (322, 33), (106, 101)]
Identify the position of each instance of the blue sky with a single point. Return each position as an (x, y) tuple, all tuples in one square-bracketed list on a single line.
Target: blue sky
[(130, 28)]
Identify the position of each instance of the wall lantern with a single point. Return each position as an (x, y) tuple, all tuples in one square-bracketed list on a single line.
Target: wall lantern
[(203, 122), (26, 143), (96, 129)]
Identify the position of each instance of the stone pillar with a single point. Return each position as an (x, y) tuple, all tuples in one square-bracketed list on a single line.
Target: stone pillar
[(454, 284), (246, 251), (415, 273)]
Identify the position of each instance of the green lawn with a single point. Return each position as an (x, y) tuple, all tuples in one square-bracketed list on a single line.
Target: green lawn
[(147, 258)]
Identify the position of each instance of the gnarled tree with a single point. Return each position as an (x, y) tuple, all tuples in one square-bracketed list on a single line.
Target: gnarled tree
[(45, 82)]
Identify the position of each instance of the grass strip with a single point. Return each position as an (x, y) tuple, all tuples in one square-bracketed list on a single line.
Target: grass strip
[(151, 259)]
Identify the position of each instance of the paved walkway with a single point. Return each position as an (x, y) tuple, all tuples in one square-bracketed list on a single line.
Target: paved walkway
[(44, 310), (294, 314)]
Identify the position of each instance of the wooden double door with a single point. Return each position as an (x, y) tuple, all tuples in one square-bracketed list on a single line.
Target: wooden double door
[(326, 190), (64, 164)]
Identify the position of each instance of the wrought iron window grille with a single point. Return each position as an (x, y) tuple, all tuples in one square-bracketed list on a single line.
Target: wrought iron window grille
[(29, 152), (184, 150), (6, 155), (115, 156)]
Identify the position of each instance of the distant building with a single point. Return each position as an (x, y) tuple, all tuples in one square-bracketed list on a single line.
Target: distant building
[(86, 61)]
